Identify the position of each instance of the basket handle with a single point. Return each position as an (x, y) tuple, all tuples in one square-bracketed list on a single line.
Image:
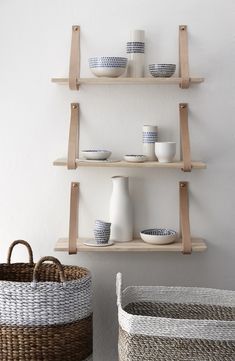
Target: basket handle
[(26, 244), (53, 260), (119, 288)]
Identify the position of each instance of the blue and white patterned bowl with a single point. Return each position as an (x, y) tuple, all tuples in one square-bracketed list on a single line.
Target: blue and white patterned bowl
[(108, 66), (101, 233), (158, 235), (101, 236), (96, 154), (162, 70)]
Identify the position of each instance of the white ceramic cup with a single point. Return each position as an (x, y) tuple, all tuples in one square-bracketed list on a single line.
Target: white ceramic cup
[(165, 151)]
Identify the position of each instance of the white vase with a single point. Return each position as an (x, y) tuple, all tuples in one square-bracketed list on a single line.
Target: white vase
[(150, 136), (121, 214), (135, 50)]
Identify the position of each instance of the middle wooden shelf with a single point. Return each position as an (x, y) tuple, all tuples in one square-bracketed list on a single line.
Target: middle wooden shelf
[(123, 164), (74, 161)]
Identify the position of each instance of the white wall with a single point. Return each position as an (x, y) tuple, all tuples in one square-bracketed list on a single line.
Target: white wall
[(34, 118)]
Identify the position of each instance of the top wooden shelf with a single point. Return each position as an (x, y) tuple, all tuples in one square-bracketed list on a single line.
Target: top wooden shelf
[(127, 81), (74, 80)]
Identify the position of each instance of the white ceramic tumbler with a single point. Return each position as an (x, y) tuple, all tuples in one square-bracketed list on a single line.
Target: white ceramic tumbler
[(165, 151), (150, 136), (135, 49)]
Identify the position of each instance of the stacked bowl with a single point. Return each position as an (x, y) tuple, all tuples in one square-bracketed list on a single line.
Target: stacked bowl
[(108, 66), (162, 70), (102, 231)]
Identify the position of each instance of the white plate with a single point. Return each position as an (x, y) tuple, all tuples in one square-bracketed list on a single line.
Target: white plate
[(92, 243)]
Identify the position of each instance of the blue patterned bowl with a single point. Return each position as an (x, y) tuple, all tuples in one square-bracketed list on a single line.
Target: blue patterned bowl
[(102, 225), (108, 66), (158, 235), (162, 70)]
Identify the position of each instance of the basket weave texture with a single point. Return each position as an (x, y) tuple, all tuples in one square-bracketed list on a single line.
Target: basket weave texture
[(45, 311), (175, 323)]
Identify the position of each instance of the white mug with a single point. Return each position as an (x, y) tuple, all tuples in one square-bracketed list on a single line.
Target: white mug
[(165, 151)]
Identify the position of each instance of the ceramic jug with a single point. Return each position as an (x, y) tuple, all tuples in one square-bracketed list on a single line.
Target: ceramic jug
[(121, 213)]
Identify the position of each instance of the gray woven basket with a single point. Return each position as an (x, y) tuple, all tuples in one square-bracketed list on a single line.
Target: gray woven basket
[(45, 311), (175, 323)]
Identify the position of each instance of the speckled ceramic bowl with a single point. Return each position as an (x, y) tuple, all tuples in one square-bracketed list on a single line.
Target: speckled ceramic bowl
[(158, 235)]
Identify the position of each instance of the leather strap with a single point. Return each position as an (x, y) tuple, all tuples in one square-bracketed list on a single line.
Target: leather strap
[(183, 57), (74, 65), (73, 219), (73, 145), (184, 138), (184, 218)]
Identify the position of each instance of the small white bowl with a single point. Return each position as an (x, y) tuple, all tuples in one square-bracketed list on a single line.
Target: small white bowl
[(134, 158), (96, 154), (158, 235)]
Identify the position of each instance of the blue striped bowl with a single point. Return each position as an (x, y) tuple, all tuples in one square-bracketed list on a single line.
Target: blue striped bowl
[(162, 70), (108, 66)]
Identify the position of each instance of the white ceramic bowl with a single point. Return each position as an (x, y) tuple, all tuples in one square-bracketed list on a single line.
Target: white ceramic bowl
[(162, 70), (96, 154), (158, 235), (108, 66), (134, 158)]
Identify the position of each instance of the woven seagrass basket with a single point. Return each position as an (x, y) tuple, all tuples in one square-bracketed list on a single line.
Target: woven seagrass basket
[(175, 323), (45, 311)]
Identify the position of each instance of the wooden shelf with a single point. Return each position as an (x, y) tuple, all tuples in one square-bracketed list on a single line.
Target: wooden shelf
[(198, 245), (127, 81), (123, 164)]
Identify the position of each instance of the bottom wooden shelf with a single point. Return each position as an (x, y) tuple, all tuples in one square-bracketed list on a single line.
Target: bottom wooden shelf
[(198, 245)]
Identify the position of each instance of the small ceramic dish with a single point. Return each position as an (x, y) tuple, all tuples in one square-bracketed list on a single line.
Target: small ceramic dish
[(95, 154), (135, 158), (162, 70), (158, 235), (92, 243)]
